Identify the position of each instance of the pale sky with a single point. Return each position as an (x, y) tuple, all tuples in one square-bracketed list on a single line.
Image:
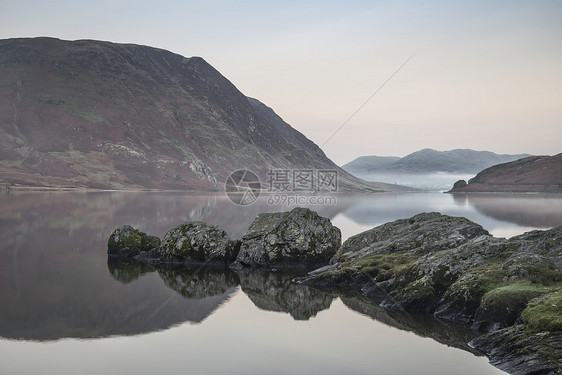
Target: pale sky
[(486, 75)]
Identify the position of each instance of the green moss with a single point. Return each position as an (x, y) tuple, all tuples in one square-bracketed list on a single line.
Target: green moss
[(512, 297), (544, 313), (396, 263)]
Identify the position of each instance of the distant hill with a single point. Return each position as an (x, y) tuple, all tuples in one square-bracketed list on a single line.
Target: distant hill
[(532, 174), (366, 163), (112, 116), (429, 161)]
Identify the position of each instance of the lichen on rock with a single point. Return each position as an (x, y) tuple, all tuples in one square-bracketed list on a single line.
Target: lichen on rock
[(128, 242), (296, 239), (195, 242)]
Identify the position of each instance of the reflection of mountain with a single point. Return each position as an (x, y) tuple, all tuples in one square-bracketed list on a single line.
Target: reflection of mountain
[(53, 256), (67, 303), (489, 210), (541, 211), (276, 292)]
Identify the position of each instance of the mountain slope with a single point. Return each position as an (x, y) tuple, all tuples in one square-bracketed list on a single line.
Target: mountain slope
[(532, 174), (104, 115), (430, 161), (364, 164)]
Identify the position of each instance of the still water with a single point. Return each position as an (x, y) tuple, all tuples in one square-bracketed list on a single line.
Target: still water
[(65, 309)]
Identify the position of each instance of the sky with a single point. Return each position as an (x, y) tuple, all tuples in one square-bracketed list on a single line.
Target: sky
[(485, 75)]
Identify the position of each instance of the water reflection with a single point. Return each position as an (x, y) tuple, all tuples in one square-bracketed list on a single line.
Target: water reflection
[(276, 292), (199, 282), (127, 270), (55, 280), (530, 210), (423, 325), (498, 213)]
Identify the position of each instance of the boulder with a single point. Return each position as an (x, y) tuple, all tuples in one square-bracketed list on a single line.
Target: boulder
[(296, 239), (128, 242), (197, 242)]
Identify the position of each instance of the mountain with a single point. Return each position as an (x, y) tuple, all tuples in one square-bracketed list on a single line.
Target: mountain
[(430, 161), (532, 174), (104, 115), (363, 164)]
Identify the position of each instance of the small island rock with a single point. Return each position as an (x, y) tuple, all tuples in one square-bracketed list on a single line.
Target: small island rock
[(198, 242), (296, 239), (128, 242)]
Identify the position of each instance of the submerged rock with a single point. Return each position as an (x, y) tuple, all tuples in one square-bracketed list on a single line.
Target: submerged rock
[(197, 242), (296, 239), (127, 242)]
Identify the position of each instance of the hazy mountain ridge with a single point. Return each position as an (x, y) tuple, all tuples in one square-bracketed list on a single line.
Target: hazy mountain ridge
[(532, 174), (430, 161), (104, 115)]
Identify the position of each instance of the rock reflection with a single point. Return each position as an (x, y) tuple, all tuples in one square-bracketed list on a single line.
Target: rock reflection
[(273, 291), (199, 282), (423, 325), (127, 270)]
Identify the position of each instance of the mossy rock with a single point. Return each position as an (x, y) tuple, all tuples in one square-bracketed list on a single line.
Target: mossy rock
[(502, 306), (297, 239), (417, 296), (128, 242), (198, 242), (544, 313)]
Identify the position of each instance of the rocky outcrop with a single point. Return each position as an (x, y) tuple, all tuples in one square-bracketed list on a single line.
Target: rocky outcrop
[(531, 174), (522, 352), (197, 242), (452, 268), (128, 242), (296, 239)]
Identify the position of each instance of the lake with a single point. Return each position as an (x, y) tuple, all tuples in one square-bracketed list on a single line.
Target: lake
[(66, 309)]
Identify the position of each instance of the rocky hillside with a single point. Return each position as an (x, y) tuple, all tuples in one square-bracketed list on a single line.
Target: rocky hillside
[(532, 174), (103, 115), (430, 161)]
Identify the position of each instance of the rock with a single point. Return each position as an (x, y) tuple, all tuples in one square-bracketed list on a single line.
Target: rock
[(421, 234), (447, 266), (127, 242), (296, 239), (520, 352), (197, 242), (459, 184)]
